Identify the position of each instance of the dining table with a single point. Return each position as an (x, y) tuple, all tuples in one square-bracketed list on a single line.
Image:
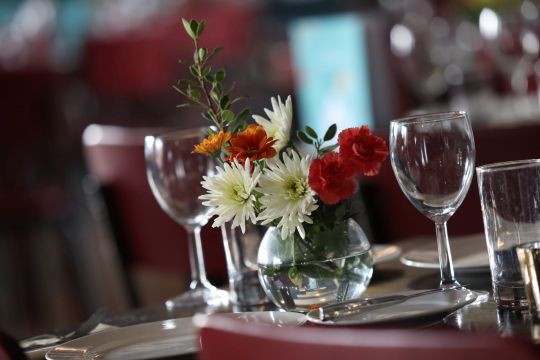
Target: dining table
[(389, 276)]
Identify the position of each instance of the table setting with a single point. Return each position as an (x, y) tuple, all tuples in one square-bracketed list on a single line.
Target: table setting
[(296, 256), (470, 254)]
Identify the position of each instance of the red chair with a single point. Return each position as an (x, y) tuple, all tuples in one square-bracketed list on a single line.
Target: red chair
[(147, 237), (394, 218), (226, 338)]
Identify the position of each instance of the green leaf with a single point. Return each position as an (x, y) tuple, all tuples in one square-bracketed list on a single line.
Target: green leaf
[(194, 25), (224, 103), (311, 132), (206, 70), (194, 71), (303, 137), (316, 271), (271, 271), (214, 52), (214, 96), (330, 133), (187, 27), (194, 94), (295, 275), (209, 78), (227, 115), (187, 83), (328, 148), (220, 75), (219, 88), (243, 114), (234, 126), (202, 53), (239, 122), (200, 28)]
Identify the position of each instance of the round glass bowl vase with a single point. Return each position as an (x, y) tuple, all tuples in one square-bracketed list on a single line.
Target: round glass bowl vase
[(327, 266)]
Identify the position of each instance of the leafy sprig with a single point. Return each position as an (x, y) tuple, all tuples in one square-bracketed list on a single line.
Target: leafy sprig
[(205, 90), (310, 137)]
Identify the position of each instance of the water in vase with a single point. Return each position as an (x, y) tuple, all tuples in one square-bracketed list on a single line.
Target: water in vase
[(301, 287)]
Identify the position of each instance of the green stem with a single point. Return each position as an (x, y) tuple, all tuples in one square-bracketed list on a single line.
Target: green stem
[(311, 249), (210, 104)]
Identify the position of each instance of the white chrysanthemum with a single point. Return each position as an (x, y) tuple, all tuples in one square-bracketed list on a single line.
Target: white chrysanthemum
[(279, 125), (286, 194), (230, 192)]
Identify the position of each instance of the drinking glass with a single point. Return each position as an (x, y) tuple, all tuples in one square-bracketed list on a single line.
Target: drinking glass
[(510, 199), (432, 156), (175, 176)]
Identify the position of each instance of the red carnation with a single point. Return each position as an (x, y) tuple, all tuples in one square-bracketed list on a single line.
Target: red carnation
[(365, 150), (332, 178)]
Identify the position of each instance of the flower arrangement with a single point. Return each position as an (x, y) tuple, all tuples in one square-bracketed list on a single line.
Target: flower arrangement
[(262, 177)]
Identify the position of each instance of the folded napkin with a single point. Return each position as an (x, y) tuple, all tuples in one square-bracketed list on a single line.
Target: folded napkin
[(37, 346)]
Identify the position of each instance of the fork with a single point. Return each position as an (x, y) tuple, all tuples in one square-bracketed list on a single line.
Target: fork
[(54, 339)]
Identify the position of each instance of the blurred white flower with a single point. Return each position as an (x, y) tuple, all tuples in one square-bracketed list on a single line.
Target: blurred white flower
[(230, 192), (280, 121), (286, 194)]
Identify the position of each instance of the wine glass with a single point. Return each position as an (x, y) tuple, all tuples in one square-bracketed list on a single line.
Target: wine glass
[(175, 176), (432, 157)]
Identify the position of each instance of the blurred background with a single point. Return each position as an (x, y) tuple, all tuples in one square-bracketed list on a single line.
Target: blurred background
[(102, 71)]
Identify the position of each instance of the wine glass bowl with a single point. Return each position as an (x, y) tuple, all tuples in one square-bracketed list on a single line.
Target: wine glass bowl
[(175, 174), (433, 159), (432, 156)]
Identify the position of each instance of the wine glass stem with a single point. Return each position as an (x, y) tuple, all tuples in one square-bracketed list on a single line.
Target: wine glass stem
[(196, 258), (445, 257)]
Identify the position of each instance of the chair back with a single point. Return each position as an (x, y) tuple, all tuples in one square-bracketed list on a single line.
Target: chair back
[(228, 338), (147, 236)]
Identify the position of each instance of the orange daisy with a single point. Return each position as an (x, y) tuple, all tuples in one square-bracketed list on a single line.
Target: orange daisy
[(213, 143), (252, 143)]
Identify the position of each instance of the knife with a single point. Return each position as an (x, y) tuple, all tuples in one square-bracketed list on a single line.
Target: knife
[(352, 307)]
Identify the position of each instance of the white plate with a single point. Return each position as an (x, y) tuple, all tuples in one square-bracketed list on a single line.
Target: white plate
[(384, 253), (156, 339), (420, 306), (469, 254)]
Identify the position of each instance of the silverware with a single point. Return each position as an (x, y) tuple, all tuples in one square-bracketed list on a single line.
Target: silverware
[(349, 308), (45, 340)]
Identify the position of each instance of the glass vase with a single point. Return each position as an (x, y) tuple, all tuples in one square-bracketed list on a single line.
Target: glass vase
[(328, 266), (245, 290)]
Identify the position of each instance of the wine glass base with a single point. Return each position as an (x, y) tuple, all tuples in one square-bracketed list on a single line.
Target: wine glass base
[(474, 296), (481, 295), (199, 297), (467, 296)]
